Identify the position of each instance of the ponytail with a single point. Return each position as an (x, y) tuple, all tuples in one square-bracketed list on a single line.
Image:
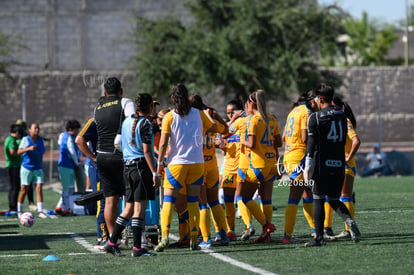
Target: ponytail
[(349, 114), (134, 126), (261, 105), (144, 102)]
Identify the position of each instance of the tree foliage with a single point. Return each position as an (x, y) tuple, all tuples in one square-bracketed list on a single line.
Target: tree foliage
[(237, 46), (5, 53), (402, 22), (367, 44), (10, 46)]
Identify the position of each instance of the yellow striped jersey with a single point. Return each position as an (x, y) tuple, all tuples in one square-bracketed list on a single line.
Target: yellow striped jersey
[(209, 149), (231, 162), (240, 126), (348, 144), (263, 154), (295, 122)]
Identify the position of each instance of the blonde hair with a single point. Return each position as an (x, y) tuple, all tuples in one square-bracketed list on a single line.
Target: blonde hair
[(260, 99)]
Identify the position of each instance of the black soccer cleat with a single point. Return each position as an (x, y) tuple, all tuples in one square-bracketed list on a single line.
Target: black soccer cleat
[(315, 242), (142, 252), (328, 231), (353, 229), (114, 250)]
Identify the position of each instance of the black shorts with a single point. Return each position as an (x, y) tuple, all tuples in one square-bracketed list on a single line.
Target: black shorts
[(138, 182), (110, 167), (327, 180), (328, 185)]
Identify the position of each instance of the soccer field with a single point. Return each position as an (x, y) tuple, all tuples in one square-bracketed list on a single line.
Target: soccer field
[(384, 212)]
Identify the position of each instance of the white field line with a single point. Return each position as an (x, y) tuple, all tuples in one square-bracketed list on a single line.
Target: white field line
[(57, 190), (80, 240), (80, 254), (219, 256), (7, 219), (385, 211), (231, 261), (19, 255)]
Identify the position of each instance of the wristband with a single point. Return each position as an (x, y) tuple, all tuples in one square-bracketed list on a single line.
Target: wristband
[(160, 163), (308, 162), (155, 174)]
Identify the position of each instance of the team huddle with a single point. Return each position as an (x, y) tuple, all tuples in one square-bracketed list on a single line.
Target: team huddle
[(139, 150)]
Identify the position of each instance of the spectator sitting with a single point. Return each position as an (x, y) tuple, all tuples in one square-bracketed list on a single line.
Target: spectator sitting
[(377, 163)]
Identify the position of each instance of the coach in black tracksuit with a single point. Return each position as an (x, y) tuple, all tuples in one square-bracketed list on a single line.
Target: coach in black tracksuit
[(109, 114), (325, 162)]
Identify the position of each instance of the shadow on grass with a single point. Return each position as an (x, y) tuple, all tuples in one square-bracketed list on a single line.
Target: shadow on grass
[(388, 238), (387, 235), (383, 238), (387, 209), (24, 242), (239, 246), (8, 226), (32, 242)]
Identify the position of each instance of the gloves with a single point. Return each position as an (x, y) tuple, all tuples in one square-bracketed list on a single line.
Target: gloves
[(308, 164)]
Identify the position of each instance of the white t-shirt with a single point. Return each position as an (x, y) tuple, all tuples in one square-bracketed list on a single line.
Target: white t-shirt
[(376, 160), (186, 137), (128, 105)]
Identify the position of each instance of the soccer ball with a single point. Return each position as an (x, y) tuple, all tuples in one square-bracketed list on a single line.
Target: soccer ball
[(27, 219)]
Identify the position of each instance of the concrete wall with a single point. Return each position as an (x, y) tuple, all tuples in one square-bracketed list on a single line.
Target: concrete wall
[(78, 34), (54, 97), (396, 86)]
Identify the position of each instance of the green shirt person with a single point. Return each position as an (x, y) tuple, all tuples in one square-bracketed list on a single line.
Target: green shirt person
[(13, 161)]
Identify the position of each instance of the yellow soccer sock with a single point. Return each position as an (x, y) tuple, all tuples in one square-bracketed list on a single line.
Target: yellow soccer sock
[(256, 211), (216, 227), (328, 215), (267, 209), (166, 215), (290, 217), (194, 218), (350, 206), (244, 212), (230, 215), (204, 222), (183, 228), (219, 216), (308, 211)]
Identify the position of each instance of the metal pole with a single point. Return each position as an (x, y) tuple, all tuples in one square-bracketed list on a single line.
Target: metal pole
[(406, 44), (51, 161), (379, 110), (24, 102)]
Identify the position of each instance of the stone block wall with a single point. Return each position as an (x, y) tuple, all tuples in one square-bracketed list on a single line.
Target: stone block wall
[(72, 35), (54, 97), (394, 99)]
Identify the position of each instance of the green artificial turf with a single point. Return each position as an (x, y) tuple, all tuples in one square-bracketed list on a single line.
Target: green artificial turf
[(384, 212)]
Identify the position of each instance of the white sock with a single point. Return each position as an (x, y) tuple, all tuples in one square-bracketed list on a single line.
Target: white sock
[(40, 207), (60, 203), (19, 207)]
